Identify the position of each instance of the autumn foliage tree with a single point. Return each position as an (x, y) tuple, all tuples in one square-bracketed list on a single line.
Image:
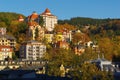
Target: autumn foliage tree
[(79, 37), (64, 27), (106, 47)]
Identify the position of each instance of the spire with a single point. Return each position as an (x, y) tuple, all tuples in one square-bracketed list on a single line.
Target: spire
[(47, 11)]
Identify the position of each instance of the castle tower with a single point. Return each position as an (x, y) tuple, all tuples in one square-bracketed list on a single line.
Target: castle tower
[(49, 20)]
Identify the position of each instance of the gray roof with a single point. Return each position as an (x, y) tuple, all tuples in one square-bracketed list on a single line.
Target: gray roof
[(7, 37)]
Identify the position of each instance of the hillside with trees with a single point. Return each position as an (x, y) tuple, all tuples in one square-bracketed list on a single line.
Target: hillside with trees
[(83, 21), (105, 32)]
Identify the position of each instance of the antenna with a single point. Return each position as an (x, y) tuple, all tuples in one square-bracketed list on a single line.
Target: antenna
[(102, 55)]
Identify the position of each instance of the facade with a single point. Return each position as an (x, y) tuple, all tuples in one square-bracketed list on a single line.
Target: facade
[(49, 20), (5, 52), (32, 50), (35, 31), (49, 37), (64, 36), (7, 41)]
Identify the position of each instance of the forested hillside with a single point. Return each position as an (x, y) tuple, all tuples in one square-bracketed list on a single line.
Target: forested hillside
[(105, 27), (13, 26), (82, 21), (7, 17), (106, 32)]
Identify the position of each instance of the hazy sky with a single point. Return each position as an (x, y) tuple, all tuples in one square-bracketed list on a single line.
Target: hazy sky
[(65, 9)]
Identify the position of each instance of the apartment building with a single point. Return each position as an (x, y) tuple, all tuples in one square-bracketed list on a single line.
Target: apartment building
[(32, 50)]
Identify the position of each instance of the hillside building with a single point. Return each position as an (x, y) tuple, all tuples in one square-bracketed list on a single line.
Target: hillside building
[(35, 31), (5, 52), (32, 50), (7, 40), (49, 20)]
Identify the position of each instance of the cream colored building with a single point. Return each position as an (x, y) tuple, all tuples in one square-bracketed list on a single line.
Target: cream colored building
[(49, 20), (35, 31), (7, 40), (32, 50), (5, 52)]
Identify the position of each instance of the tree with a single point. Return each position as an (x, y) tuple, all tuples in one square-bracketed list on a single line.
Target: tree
[(80, 38), (106, 47), (41, 21), (2, 24), (64, 27)]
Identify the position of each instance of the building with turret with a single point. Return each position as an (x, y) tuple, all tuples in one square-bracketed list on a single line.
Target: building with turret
[(49, 20)]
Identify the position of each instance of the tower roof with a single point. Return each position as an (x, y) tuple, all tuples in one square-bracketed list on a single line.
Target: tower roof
[(47, 12), (34, 15)]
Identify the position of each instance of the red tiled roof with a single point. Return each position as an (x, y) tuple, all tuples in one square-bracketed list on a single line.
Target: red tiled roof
[(33, 16), (47, 12)]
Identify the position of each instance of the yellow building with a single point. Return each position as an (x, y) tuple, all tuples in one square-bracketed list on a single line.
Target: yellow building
[(59, 37), (7, 41), (49, 37)]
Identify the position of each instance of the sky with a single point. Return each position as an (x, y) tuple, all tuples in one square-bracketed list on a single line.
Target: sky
[(65, 9)]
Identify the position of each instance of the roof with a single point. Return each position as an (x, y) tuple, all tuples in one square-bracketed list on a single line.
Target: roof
[(47, 12), (34, 15), (7, 37), (31, 42)]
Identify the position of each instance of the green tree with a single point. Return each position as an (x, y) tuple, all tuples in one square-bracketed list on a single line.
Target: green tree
[(41, 21)]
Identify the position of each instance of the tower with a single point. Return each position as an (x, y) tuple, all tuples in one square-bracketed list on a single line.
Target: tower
[(49, 20)]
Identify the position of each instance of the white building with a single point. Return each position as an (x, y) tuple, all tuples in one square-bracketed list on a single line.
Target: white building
[(32, 50), (49, 20)]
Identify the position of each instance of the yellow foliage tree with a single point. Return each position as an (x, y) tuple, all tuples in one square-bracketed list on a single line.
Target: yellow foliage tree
[(64, 27)]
